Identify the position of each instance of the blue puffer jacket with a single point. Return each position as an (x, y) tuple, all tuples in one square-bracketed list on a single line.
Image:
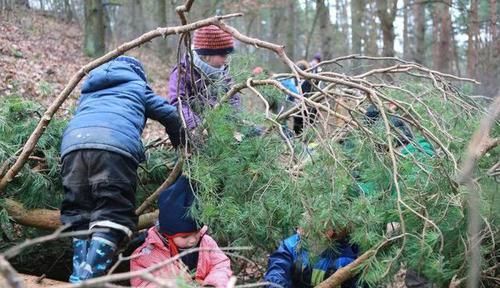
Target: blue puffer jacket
[(290, 265), (113, 107)]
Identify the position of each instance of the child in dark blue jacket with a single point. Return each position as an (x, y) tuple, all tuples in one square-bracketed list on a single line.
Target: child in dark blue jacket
[(293, 266), (101, 150)]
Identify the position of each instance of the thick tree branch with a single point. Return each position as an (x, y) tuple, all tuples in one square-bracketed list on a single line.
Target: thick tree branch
[(50, 219)]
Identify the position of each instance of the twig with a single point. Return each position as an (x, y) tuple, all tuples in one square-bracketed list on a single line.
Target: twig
[(13, 251), (170, 179)]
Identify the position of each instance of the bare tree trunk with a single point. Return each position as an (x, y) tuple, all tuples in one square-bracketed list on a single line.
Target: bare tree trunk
[(68, 13), (310, 36), (386, 11), (94, 28), (161, 46), (493, 20), (276, 20), (290, 31), (473, 33), (455, 54), (345, 24), (436, 21), (372, 32), (419, 12), (357, 12), (406, 41), (442, 62), (324, 29), (493, 27)]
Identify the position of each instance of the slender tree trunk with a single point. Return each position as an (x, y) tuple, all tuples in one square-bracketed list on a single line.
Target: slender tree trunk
[(493, 20), (406, 41), (386, 11), (436, 21), (68, 13), (473, 33), (357, 12), (372, 32), (419, 12), (345, 24), (324, 29), (94, 28), (455, 54), (310, 36), (290, 32), (444, 52), (161, 46), (276, 15)]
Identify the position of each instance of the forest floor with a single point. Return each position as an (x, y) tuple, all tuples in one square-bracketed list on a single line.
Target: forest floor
[(39, 53)]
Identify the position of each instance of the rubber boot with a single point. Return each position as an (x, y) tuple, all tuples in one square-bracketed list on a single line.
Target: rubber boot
[(99, 258), (80, 247)]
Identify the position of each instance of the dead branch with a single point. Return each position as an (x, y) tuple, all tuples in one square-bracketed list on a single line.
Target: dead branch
[(349, 271), (15, 250), (480, 143), (185, 8), (11, 278), (170, 179), (50, 219), (75, 79)]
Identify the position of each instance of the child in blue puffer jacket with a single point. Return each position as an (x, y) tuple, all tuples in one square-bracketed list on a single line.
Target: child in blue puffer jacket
[(292, 265), (101, 150)]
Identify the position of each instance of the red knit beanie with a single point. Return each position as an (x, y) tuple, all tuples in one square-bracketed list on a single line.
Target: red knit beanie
[(211, 40)]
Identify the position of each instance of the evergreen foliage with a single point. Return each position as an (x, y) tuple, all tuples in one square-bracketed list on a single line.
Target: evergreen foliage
[(249, 195)]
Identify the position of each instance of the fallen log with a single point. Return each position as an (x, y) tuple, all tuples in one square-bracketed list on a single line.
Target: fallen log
[(49, 219)]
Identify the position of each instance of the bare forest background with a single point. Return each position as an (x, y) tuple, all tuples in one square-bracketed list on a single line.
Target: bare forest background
[(451, 36)]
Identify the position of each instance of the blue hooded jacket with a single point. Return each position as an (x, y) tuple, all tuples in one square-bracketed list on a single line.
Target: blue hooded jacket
[(114, 105), (291, 266)]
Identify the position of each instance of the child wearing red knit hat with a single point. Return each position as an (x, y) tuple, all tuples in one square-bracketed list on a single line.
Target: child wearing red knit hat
[(201, 88)]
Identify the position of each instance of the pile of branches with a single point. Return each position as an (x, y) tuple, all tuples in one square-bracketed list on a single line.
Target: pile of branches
[(343, 172)]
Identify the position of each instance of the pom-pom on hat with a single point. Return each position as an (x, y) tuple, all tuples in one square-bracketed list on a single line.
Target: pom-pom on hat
[(175, 203), (211, 40)]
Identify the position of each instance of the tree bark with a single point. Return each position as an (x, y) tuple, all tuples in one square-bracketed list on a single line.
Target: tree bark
[(324, 29), (386, 11), (419, 12), (473, 32), (50, 219), (290, 34), (406, 41), (68, 13), (444, 48), (372, 32), (310, 36), (94, 28), (161, 45), (357, 12)]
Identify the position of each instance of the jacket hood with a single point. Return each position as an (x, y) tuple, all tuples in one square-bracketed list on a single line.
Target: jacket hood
[(121, 70)]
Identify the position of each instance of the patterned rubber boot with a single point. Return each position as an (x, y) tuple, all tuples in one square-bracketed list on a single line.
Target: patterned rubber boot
[(99, 258), (80, 247)]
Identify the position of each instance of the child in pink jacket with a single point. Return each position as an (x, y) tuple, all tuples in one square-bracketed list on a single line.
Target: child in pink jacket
[(176, 232)]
